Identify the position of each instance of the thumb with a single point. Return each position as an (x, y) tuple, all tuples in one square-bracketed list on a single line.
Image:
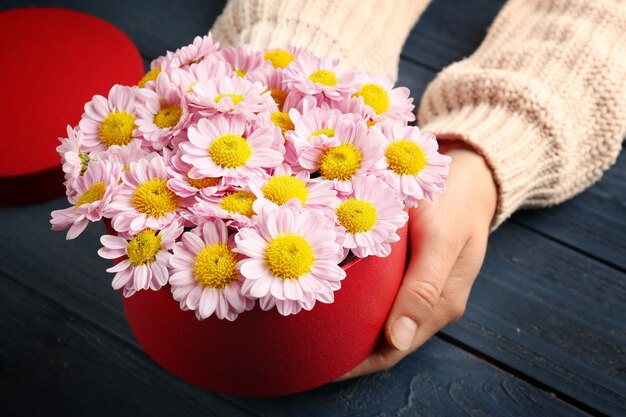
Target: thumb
[(432, 259)]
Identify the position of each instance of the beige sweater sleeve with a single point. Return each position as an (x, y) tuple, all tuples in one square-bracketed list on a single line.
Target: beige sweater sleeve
[(543, 99), (367, 34)]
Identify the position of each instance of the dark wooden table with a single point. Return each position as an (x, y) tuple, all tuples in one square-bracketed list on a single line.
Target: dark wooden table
[(544, 333)]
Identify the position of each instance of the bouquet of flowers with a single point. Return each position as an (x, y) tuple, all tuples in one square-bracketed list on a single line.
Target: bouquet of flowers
[(238, 176)]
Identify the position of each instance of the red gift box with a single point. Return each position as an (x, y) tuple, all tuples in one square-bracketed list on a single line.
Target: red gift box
[(54, 60), (263, 353)]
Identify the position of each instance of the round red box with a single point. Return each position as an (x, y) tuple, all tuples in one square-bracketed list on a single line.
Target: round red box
[(53, 61), (262, 353)]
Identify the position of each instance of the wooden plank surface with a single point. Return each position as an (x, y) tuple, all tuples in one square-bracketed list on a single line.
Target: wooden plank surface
[(552, 314), (68, 333), (593, 223), (449, 30), (57, 363)]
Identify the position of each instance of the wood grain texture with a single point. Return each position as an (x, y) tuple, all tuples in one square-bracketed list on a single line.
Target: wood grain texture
[(68, 332), (68, 365), (552, 314), (55, 363), (593, 223), (449, 30)]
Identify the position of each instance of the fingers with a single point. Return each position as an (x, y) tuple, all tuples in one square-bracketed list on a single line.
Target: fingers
[(449, 307), (387, 356), (432, 259)]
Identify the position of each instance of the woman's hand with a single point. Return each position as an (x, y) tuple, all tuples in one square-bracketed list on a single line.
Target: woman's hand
[(448, 240)]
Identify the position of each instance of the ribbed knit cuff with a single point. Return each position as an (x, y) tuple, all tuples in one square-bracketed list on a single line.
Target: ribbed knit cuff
[(523, 169), (366, 34), (542, 99)]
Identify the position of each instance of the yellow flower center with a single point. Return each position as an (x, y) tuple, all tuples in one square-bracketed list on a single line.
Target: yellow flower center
[(282, 188), (374, 96), (282, 120), (289, 256), (168, 116), (239, 202), (236, 98), (279, 96), (230, 151), (340, 162), (144, 247), (93, 193), (328, 131), (117, 128), (215, 266), (154, 199), (240, 72), (201, 183), (280, 58), (150, 76), (405, 157), (324, 77), (357, 216)]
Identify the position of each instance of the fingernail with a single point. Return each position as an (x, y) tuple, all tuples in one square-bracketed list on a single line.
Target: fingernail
[(403, 333)]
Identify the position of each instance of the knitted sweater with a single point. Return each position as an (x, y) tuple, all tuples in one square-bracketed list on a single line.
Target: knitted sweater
[(543, 99)]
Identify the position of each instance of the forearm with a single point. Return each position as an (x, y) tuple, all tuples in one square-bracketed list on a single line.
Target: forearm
[(542, 99), (367, 34)]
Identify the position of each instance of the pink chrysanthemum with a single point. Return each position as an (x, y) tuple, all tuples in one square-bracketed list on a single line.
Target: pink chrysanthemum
[(163, 114), (370, 217), (236, 96), (74, 159), (90, 197), (145, 258), (352, 107), (235, 206), (205, 274), (218, 148), (312, 128), (243, 60), (281, 58), (145, 201), (313, 76), (185, 186), (125, 155), (110, 121), (352, 151), (272, 80), (411, 165), (156, 67), (195, 52), (383, 101), (211, 67), (292, 259), (283, 186)]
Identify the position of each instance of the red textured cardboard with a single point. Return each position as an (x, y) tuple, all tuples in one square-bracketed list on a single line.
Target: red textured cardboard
[(53, 61), (263, 353)]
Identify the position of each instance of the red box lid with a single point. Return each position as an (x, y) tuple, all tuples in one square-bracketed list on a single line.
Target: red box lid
[(53, 62)]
